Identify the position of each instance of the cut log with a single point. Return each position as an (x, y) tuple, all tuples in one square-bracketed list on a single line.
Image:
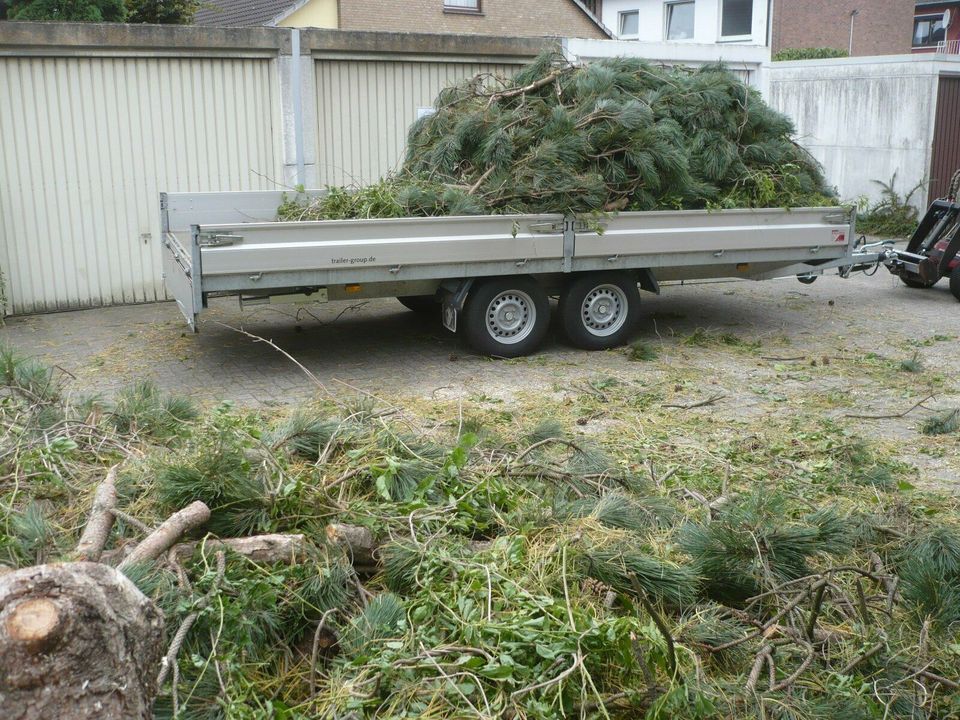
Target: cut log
[(77, 640), (168, 534), (97, 531), (274, 548), (358, 542)]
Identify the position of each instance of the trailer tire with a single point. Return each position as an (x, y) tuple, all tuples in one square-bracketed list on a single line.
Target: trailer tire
[(421, 304), (599, 310), (916, 283), (955, 282), (506, 316)]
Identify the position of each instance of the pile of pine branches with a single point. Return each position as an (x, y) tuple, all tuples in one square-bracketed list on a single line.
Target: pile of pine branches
[(351, 563), (617, 134)]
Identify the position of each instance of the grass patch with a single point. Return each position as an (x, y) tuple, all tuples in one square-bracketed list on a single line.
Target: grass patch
[(640, 351), (942, 423)]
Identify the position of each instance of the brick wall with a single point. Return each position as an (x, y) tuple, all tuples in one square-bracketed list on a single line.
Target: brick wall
[(883, 27), (534, 18)]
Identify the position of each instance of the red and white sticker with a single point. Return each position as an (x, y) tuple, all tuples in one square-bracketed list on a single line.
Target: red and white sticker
[(839, 236)]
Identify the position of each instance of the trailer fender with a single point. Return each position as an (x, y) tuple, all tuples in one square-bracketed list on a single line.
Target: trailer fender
[(647, 281), (454, 296)]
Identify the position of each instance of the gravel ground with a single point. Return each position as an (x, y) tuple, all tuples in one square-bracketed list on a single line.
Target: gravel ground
[(833, 347)]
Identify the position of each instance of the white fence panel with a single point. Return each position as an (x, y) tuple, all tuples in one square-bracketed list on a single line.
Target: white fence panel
[(87, 144)]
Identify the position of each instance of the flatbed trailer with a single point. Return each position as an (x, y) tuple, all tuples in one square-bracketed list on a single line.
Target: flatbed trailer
[(492, 275)]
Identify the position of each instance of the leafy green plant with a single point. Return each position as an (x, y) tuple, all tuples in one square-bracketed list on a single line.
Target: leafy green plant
[(817, 53), (754, 543), (912, 365), (143, 408), (305, 434), (68, 10), (930, 574), (892, 215)]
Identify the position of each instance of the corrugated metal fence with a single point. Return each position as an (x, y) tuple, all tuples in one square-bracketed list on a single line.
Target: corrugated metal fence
[(362, 139), (88, 144), (96, 121)]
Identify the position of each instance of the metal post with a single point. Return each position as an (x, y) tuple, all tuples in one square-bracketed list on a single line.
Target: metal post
[(853, 14), (296, 89)]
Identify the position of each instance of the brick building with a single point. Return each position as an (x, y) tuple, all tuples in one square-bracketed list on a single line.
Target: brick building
[(879, 27), (936, 27)]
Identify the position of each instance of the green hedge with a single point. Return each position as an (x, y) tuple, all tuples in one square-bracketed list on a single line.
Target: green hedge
[(809, 53)]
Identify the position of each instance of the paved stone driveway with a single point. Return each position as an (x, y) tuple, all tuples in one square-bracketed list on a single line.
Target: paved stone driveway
[(380, 346)]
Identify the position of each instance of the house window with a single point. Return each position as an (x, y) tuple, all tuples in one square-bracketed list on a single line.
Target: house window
[(680, 21), (629, 23), (928, 30), (462, 5), (736, 18)]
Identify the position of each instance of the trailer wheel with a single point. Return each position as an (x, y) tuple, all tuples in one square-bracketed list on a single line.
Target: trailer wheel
[(955, 282), (916, 283), (599, 310), (506, 317), (422, 304)]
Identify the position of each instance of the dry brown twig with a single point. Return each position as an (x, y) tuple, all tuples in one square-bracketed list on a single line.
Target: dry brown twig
[(893, 416), (703, 403)]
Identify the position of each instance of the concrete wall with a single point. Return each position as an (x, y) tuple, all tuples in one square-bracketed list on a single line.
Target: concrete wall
[(864, 119), (531, 18), (747, 61), (881, 27), (313, 13), (652, 21), (97, 120)]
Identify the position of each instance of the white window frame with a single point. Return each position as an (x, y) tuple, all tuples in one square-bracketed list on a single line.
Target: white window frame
[(620, 24), (733, 38), (667, 9), (931, 16), (462, 8)]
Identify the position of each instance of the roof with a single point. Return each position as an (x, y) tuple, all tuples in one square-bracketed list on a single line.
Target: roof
[(240, 13), (596, 21)]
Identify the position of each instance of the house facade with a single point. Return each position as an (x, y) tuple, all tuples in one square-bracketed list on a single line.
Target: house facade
[(877, 27), (936, 27), (516, 18), (503, 18), (688, 21)]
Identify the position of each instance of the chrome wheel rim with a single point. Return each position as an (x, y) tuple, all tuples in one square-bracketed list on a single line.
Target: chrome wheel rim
[(604, 310), (511, 316)]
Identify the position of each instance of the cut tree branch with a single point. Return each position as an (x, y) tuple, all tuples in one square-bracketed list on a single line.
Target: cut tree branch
[(167, 535), (265, 549), (98, 527)]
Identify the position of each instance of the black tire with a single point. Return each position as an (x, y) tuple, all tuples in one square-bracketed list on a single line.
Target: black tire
[(955, 282), (807, 279), (589, 299), (423, 304), (916, 283), (506, 316)]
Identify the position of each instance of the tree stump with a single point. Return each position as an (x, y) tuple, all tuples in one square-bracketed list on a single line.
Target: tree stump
[(77, 640)]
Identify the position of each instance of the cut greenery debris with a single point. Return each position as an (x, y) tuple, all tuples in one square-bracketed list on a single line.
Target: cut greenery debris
[(615, 134), (447, 573)]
